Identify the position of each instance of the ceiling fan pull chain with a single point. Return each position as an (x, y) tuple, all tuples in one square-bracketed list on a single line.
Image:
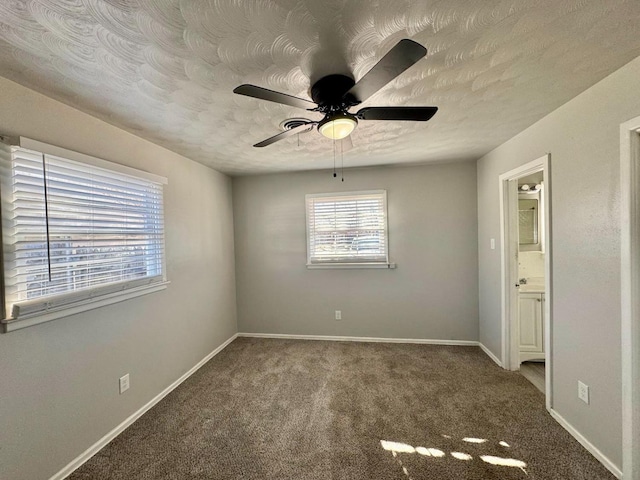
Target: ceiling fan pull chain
[(342, 159), (334, 159)]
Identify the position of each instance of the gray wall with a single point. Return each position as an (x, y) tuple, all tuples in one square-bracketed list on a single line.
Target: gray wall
[(584, 141), (433, 239), (59, 380)]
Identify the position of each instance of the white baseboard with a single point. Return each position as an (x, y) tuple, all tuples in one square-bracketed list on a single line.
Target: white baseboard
[(466, 343), (587, 444), (96, 447), (490, 354)]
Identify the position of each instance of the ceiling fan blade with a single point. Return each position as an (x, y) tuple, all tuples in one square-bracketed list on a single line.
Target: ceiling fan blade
[(405, 53), (271, 96), (287, 133), (416, 114)]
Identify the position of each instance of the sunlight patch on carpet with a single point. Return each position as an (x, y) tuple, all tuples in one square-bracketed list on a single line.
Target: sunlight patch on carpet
[(461, 456), (504, 462), (474, 440), (397, 448)]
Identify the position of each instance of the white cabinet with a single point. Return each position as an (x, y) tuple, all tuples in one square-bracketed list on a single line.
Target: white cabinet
[(531, 316)]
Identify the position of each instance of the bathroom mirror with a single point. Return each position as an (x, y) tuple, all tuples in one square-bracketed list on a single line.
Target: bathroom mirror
[(528, 223)]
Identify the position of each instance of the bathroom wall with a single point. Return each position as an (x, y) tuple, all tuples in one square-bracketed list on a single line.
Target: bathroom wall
[(530, 264)]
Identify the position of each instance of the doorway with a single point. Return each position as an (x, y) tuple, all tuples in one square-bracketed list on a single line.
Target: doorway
[(630, 283), (525, 214)]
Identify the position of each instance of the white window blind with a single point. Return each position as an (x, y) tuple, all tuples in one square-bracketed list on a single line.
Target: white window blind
[(347, 228), (75, 231)]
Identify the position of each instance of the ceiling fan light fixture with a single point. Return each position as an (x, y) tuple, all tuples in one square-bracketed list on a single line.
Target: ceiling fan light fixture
[(337, 126)]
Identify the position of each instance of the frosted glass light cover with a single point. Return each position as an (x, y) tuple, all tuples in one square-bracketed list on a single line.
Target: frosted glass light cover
[(338, 128)]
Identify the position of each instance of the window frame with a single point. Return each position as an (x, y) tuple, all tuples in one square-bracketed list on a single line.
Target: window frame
[(348, 264), (71, 303)]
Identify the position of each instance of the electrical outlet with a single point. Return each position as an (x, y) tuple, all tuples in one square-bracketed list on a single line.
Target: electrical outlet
[(583, 392), (124, 383), (338, 314), (493, 244)]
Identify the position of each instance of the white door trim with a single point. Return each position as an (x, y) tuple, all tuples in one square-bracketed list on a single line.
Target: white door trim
[(509, 249), (630, 283)]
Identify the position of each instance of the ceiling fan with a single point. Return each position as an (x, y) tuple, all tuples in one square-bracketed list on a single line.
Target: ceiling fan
[(335, 94)]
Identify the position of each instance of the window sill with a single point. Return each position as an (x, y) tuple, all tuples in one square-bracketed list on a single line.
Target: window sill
[(320, 266), (11, 324)]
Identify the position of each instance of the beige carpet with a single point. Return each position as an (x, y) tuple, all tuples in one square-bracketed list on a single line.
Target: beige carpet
[(288, 409)]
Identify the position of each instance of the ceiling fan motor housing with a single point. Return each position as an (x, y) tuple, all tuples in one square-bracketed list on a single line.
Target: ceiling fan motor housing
[(329, 93)]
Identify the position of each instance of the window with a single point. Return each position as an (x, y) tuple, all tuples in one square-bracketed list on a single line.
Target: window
[(76, 233), (348, 229)]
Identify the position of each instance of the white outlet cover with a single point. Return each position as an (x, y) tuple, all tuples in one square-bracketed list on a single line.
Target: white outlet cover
[(583, 392), (124, 383), (338, 314)]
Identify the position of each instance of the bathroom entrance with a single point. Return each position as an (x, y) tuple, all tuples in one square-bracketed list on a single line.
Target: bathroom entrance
[(531, 276), (526, 312)]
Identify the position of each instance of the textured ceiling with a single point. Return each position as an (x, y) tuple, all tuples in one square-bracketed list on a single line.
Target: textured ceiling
[(165, 69)]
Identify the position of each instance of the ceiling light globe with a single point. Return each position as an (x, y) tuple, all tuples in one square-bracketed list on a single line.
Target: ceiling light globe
[(337, 126)]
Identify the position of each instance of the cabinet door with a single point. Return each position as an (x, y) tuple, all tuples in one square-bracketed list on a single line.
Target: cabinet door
[(531, 336)]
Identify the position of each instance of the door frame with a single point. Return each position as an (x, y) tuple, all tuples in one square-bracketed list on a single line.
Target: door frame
[(630, 299), (509, 266)]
